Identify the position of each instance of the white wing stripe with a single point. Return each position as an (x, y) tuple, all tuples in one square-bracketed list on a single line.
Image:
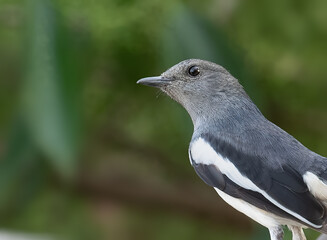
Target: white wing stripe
[(203, 153), (317, 187)]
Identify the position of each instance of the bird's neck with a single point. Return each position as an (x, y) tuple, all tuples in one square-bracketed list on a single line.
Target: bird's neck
[(230, 114)]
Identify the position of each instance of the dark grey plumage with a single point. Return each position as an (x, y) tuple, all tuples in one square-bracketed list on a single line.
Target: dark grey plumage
[(225, 117)]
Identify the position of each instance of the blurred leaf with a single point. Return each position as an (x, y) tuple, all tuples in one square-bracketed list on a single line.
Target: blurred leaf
[(48, 102), (15, 167)]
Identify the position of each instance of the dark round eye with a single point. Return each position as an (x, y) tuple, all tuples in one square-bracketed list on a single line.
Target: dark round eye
[(194, 71)]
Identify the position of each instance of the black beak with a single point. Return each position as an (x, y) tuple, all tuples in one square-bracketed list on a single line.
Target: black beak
[(157, 82)]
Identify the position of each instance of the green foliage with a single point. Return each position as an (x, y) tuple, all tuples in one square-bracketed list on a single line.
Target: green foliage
[(76, 131), (49, 94)]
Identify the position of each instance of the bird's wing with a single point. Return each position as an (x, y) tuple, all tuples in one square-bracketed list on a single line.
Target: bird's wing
[(212, 176), (280, 189)]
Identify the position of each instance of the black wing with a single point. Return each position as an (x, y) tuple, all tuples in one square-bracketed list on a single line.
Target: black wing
[(283, 184)]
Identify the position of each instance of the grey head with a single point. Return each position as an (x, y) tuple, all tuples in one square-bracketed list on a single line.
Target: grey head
[(201, 87)]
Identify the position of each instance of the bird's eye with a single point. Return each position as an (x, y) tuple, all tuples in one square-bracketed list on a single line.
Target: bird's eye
[(194, 71)]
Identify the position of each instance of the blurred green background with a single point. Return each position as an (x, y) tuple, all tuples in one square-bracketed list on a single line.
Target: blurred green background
[(88, 154)]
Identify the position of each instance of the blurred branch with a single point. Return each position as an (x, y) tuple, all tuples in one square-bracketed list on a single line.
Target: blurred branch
[(182, 199), (116, 138)]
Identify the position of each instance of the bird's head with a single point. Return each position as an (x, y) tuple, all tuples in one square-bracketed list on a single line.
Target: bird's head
[(198, 85)]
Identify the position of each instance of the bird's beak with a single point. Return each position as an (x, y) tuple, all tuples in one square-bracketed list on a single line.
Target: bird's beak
[(157, 82)]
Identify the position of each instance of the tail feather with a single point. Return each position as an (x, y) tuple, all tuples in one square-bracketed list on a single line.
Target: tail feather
[(317, 185)]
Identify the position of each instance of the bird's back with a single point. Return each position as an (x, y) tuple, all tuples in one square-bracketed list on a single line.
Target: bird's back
[(270, 157)]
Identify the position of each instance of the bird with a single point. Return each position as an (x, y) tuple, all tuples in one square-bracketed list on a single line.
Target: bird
[(255, 166)]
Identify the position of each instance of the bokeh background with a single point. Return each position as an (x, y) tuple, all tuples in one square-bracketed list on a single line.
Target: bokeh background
[(85, 153)]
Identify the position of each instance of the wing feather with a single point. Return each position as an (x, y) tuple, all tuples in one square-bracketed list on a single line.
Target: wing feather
[(280, 189)]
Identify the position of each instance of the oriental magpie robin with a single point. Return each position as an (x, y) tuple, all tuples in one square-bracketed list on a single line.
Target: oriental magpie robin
[(254, 165)]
